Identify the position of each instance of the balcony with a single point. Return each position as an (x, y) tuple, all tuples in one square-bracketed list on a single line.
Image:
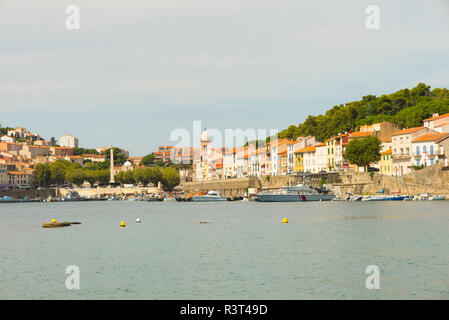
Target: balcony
[(401, 155)]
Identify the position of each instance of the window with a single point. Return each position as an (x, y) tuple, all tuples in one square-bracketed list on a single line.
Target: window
[(431, 149), (417, 150), (424, 149)]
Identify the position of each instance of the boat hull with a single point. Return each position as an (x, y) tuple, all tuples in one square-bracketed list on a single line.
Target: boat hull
[(208, 199), (293, 197)]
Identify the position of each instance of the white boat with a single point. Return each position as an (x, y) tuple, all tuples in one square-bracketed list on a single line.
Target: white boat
[(73, 196), (300, 192), (437, 197), (210, 196)]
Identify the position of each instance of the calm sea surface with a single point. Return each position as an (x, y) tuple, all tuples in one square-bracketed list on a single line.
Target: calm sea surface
[(244, 252)]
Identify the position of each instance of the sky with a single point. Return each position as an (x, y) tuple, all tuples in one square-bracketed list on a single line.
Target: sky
[(137, 70)]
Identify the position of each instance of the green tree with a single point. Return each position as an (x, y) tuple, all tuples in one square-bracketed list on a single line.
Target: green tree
[(119, 157), (148, 160), (142, 175), (43, 174), (154, 175), (76, 176), (102, 176), (58, 170), (170, 178), (363, 152)]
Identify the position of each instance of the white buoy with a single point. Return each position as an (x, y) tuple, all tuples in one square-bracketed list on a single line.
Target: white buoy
[(138, 220)]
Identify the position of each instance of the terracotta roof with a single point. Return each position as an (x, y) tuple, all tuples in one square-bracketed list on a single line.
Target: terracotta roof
[(389, 151), (17, 173), (307, 149), (387, 140), (438, 117), (320, 145), (406, 131), (430, 137)]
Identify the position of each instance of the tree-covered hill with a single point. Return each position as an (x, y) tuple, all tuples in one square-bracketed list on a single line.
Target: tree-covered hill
[(407, 108)]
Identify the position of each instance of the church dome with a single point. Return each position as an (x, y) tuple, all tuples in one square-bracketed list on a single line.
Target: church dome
[(205, 136)]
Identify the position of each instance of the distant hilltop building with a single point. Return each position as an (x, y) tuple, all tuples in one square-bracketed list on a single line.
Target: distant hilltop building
[(68, 140)]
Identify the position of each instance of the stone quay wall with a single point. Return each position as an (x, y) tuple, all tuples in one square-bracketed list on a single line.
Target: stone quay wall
[(30, 193), (433, 180), (86, 192), (239, 186)]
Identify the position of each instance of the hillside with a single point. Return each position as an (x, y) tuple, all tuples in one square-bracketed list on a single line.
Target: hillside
[(406, 108)]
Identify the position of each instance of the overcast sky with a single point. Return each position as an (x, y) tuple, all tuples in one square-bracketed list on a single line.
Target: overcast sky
[(136, 70)]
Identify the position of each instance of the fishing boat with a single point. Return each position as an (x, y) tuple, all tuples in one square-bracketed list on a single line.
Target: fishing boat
[(300, 192), (210, 196)]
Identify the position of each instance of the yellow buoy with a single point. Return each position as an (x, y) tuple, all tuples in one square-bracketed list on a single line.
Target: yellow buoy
[(285, 220), (53, 221), (122, 224)]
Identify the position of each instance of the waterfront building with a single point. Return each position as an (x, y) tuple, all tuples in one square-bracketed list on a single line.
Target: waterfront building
[(330, 154), (290, 157), (320, 157), (386, 162), (69, 141), (242, 162), (437, 122), (428, 149), (308, 158), (339, 146), (4, 179), (277, 148), (402, 148), (18, 179), (229, 165)]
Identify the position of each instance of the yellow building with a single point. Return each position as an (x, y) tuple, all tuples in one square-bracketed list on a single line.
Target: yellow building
[(299, 161), (386, 162), (330, 154)]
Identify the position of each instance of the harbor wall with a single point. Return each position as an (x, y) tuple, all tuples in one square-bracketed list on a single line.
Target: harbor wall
[(30, 193), (240, 186), (87, 192), (433, 180)]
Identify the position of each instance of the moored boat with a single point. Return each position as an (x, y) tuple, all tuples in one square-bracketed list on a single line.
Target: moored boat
[(300, 192), (210, 196)]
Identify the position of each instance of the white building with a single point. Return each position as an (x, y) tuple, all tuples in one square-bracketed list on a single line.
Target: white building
[(428, 150), (68, 140), (320, 158), (402, 148), (8, 139)]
